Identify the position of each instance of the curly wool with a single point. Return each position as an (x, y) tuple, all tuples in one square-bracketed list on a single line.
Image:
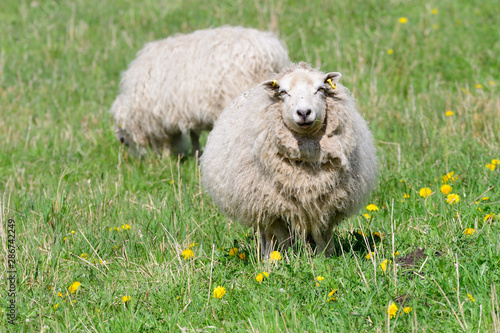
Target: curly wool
[(182, 83), (258, 171)]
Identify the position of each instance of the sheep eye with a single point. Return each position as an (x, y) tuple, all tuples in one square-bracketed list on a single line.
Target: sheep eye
[(320, 89), (282, 93)]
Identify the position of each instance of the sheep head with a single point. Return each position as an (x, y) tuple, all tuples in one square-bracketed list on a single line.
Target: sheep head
[(303, 96)]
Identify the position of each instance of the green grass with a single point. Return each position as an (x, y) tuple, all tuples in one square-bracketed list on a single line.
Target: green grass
[(62, 170)]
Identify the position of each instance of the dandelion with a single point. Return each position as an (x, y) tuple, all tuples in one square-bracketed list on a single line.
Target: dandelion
[(125, 299), (383, 265), (74, 287), (452, 198), (469, 232), (434, 11), (192, 245), (449, 177), (233, 251), (489, 217), (84, 256), (73, 232), (369, 255), (491, 83), (98, 261), (390, 51), (479, 86), (320, 278), (243, 256), (425, 192), (60, 294), (395, 254), (392, 310), (275, 256), (64, 239), (361, 233), (55, 306), (125, 226), (187, 254), (485, 198), (407, 309), (403, 20), (330, 295), (172, 181), (260, 277), (445, 189), (491, 166), (367, 216), (219, 292), (435, 26), (470, 297), (449, 113), (406, 196), (372, 207)]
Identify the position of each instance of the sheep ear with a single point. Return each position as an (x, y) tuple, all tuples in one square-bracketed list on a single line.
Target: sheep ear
[(332, 78), (271, 85)]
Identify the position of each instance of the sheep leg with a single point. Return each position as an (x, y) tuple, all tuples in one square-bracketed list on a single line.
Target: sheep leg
[(324, 238), (195, 142), (276, 233)]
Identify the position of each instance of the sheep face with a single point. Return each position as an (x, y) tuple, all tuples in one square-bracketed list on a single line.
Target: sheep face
[(303, 96)]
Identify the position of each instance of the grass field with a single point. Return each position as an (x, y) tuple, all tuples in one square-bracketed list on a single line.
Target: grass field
[(86, 212)]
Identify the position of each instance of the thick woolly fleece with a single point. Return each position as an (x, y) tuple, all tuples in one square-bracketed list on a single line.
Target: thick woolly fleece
[(286, 184), (182, 83)]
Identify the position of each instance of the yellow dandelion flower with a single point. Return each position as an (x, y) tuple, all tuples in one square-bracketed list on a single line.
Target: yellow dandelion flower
[(73, 231), (403, 20), (469, 231), (396, 253), (489, 217), (372, 207), (64, 239), (377, 234), (485, 198), (407, 309), (425, 192), (60, 294), (452, 198), (362, 233), (219, 292), (390, 51), (470, 297), (435, 26), (125, 226), (495, 161), (171, 182), (449, 177), (187, 254), (233, 251), (369, 255), (330, 295), (275, 256), (392, 310), (491, 166), (84, 255), (192, 245), (449, 113), (434, 11), (260, 277), (367, 216), (491, 83), (243, 256), (466, 91), (320, 278), (479, 86), (55, 306), (445, 189), (74, 287), (383, 265), (73, 301), (125, 299), (406, 195)]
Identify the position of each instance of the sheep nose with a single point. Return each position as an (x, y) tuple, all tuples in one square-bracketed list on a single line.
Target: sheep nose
[(304, 113)]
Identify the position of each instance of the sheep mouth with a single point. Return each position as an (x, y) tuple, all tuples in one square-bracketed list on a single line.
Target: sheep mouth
[(306, 125)]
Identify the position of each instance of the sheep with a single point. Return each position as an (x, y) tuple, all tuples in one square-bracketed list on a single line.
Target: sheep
[(181, 84), (292, 158)]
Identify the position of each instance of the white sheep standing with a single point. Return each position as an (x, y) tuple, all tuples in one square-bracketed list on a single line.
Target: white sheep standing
[(182, 83), (291, 157)]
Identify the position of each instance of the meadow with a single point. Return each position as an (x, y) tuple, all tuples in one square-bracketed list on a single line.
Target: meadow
[(105, 242)]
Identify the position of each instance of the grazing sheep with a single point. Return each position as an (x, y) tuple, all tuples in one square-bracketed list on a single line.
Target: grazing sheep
[(182, 83), (291, 157)]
